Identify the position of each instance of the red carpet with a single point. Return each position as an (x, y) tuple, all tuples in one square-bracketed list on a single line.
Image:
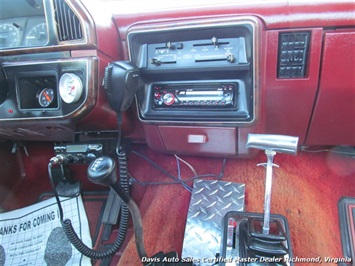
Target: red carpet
[(306, 189)]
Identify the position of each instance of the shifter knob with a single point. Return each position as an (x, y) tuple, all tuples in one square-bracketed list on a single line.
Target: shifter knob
[(102, 171)]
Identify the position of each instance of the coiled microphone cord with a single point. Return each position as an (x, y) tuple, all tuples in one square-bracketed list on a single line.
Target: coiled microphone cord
[(69, 230)]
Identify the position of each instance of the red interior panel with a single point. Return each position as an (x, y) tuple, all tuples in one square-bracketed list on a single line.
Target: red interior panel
[(289, 102), (333, 119), (199, 140)]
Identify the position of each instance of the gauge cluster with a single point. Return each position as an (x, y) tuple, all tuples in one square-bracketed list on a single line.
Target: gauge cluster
[(23, 32), (47, 89)]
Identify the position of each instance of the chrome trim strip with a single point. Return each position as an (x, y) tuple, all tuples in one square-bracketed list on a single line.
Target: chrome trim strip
[(90, 95), (206, 23)]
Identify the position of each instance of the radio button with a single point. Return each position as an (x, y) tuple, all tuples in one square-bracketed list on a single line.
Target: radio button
[(157, 95)]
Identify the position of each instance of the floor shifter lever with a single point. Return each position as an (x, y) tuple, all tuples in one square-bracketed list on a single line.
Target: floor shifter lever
[(262, 237), (268, 186), (271, 144)]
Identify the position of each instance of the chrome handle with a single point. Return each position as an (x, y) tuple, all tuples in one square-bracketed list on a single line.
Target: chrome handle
[(277, 143), (271, 144)]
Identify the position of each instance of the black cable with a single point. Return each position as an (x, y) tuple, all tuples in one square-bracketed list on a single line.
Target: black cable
[(68, 228), (176, 180), (55, 191), (123, 169), (333, 150), (73, 237), (186, 186), (119, 136), (159, 168)]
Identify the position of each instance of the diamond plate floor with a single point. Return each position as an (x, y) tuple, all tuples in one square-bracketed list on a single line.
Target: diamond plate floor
[(210, 201)]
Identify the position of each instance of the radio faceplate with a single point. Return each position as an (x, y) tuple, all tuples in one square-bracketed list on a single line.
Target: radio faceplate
[(210, 101), (188, 96)]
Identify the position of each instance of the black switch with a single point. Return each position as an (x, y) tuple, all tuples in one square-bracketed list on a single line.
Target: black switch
[(179, 45)]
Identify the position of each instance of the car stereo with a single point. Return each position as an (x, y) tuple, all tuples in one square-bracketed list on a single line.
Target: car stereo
[(195, 95)]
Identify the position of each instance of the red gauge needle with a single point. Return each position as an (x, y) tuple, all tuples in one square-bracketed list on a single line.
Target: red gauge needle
[(47, 96), (71, 89)]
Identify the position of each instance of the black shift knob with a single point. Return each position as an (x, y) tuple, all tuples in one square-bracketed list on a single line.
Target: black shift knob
[(102, 171)]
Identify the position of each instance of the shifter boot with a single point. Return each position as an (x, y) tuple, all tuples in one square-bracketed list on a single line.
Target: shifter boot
[(263, 247)]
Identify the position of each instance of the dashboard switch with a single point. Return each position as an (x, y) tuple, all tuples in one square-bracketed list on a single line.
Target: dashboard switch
[(155, 61), (170, 45), (179, 45), (231, 58), (214, 41)]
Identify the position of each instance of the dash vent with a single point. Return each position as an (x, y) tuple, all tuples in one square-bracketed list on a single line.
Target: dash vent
[(293, 54), (68, 24)]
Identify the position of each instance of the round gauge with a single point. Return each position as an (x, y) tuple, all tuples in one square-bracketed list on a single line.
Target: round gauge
[(70, 88), (46, 97), (37, 36), (9, 35)]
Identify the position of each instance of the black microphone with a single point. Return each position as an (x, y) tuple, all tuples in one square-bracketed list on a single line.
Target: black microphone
[(121, 84)]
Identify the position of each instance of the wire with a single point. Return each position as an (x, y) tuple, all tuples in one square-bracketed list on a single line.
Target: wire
[(55, 191), (119, 137), (187, 164), (77, 242), (176, 180), (188, 188), (157, 166), (305, 149)]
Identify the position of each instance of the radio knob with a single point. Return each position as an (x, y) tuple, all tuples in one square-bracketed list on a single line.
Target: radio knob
[(155, 61), (214, 41), (168, 98), (90, 157), (230, 58), (170, 45), (79, 158)]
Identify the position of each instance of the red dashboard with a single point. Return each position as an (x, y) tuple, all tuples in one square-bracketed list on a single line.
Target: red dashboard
[(317, 104)]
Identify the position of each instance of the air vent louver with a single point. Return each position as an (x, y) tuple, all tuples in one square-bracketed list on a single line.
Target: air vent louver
[(68, 24), (293, 53)]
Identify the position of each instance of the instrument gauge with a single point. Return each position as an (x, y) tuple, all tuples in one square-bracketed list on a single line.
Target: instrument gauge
[(46, 97), (70, 88), (37, 36), (9, 35)]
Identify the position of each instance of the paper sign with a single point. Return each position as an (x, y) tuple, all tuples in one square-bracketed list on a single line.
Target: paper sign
[(34, 236)]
